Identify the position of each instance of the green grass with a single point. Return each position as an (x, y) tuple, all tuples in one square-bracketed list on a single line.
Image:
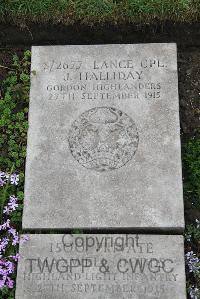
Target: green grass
[(94, 11)]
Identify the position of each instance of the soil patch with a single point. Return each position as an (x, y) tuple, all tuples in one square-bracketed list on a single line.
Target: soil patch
[(184, 34)]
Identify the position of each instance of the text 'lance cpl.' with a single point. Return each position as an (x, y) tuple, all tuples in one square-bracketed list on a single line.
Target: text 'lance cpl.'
[(128, 64), (114, 64)]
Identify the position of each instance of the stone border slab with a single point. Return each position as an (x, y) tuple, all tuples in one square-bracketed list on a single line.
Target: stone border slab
[(99, 266)]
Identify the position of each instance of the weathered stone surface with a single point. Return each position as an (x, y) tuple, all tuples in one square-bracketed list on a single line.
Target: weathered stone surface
[(101, 267), (103, 142)]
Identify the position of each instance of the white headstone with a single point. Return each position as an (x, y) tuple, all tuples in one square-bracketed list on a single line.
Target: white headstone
[(103, 140)]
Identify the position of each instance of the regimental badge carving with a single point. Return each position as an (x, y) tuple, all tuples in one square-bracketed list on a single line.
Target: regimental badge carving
[(103, 138)]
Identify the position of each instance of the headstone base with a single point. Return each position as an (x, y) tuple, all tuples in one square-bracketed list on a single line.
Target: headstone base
[(98, 266)]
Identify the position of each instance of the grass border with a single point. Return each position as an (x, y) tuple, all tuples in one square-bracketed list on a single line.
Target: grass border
[(92, 12)]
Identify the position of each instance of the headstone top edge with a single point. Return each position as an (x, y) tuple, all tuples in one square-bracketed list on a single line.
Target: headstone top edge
[(105, 45)]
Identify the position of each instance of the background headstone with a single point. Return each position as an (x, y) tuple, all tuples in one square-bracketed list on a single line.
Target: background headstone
[(103, 141), (101, 267)]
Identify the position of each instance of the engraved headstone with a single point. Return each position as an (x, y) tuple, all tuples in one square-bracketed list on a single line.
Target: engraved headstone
[(101, 267), (103, 141)]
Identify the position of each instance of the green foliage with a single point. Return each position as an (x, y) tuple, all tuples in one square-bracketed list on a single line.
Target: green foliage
[(192, 233), (13, 130), (13, 115), (191, 164), (91, 11), (7, 293), (192, 238)]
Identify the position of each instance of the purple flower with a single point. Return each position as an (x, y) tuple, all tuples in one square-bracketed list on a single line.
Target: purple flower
[(2, 182), (7, 268), (10, 236), (189, 254), (6, 210), (3, 272), (11, 206), (3, 178), (9, 283), (10, 267), (192, 261), (5, 225), (193, 292), (13, 203), (2, 174), (3, 244), (15, 257), (12, 231), (15, 240), (24, 239), (14, 179), (198, 223), (2, 282)]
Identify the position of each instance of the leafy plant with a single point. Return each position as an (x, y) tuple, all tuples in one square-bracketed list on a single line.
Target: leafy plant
[(13, 131), (191, 163), (192, 259), (14, 113)]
